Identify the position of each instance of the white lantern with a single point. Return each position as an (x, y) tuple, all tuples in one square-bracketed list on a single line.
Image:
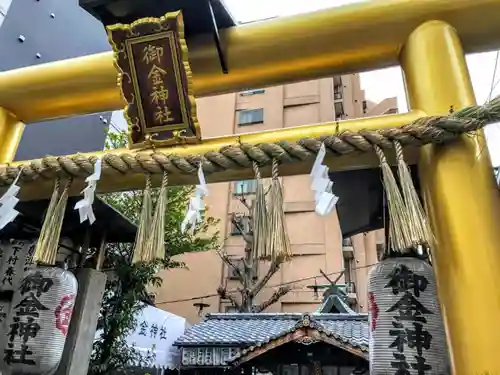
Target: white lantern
[(15, 260), (39, 319), (407, 334)]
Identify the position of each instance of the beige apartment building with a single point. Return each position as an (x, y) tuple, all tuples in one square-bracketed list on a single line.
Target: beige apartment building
[(316, 241)]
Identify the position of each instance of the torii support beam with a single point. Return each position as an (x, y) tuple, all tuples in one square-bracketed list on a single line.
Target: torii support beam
[(457, 181), (462, 200)]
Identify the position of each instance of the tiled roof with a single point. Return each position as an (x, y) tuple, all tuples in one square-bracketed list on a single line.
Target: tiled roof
[(245, 330), (334, 304)]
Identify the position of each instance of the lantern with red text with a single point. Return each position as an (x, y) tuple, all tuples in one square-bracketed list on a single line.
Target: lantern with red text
[(38, 322), (406, 329)]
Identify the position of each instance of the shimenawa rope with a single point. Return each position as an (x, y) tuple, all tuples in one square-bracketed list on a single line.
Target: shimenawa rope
[(434, 129)]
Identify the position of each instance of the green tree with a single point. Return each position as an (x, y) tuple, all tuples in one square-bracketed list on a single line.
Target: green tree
[(127, 289)]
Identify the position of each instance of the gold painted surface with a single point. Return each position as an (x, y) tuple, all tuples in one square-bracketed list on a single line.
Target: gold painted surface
[(463, 202), (351, 38), (129, 71), (122, 182), (11, 131)]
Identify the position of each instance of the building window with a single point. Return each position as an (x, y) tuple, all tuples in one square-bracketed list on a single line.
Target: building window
[(245, 187), (237, 267), (380, 251), (250, 117), (231, 309), (391, 111), (350, 270), (243, 223), (203, 213), (252, 92)]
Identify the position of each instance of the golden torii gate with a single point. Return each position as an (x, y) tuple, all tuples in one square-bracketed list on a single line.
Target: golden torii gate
[(428, 38)]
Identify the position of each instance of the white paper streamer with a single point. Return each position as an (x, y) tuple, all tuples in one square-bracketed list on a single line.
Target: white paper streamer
[(84, 206), (322, 186), (8, 202), (196, 204)]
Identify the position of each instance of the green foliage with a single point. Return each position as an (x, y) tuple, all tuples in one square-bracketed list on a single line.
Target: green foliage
[(129, 203), (128, 286)]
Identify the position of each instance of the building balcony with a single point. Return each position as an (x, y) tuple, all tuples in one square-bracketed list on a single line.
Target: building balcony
[(350, 290), (337, 81), (339, 109), (347, 248)]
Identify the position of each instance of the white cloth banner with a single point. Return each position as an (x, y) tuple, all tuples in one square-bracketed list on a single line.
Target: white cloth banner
[(155, 332)]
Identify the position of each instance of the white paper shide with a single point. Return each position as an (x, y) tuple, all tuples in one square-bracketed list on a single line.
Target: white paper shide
[(196, 205), (322, 186), (84, 206)]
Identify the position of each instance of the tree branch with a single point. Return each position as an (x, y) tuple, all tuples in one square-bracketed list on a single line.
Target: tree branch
[(222, 292), (243, 201), (273, 268), (247, 237), (273, 299), (230, 264)]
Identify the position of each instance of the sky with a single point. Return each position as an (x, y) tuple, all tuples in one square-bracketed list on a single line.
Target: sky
[(384, 83)]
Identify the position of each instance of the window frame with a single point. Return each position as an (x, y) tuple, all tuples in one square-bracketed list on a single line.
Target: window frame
[(252, 92), (246, 226), (244, 187), (260, 120)]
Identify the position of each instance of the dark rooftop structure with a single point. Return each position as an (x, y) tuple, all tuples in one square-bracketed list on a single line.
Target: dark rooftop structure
[(362, 207), (109, 221), (49, 32), (199, 15)]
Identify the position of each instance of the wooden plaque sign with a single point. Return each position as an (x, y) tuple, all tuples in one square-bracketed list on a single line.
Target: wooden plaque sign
[(156, 81)]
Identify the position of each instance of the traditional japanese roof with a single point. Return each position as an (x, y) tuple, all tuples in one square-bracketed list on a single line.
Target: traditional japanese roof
[(254, 331), (334, 304)]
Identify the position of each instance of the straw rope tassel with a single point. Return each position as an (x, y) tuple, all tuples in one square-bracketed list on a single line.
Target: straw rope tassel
[(48, 241), (259, 219), (144, 224), (278, 241), (420, 230), (399, 237), (155, 247)]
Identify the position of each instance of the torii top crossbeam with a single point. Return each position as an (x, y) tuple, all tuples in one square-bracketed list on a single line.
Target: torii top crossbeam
[(353, 38)]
